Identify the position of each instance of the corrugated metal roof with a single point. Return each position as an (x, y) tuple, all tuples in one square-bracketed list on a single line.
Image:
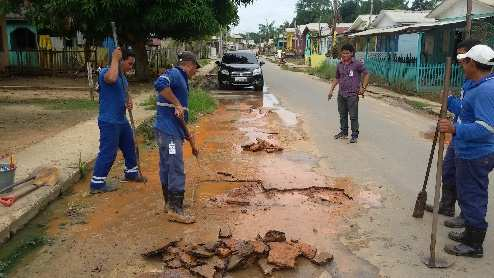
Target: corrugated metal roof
[(314, 27), (448, 4), (403, 17), (409, 28)]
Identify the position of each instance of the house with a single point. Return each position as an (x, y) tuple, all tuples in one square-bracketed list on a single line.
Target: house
[(290, 40), (327, 36), (4, 60), (362, 23), (281, 42), (312, 34), (412, 56), (402, 44), (22, 39), (300, 40)]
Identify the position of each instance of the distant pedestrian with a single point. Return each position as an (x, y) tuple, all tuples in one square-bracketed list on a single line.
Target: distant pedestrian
[(172, 88), (115, 130), (449, 192), (352, 78), (474, 150)]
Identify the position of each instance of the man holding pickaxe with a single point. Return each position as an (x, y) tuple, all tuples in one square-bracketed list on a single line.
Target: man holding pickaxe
[(115, 130), (172, 88)]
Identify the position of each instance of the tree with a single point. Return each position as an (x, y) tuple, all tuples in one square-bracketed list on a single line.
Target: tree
[(308, 11), (423, 5), (267, 31), (350, 10), (137, 20)]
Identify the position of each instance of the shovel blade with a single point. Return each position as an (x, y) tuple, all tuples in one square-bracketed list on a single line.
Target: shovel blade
[(418, 211)]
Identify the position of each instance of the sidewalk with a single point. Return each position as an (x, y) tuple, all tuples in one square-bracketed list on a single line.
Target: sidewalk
[(63, 151)]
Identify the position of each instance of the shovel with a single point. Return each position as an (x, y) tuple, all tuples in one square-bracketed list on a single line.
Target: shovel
[(43, 176)]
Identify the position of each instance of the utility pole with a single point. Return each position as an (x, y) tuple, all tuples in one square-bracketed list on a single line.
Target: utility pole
[(335, 20), (468, 27), (370, 14)]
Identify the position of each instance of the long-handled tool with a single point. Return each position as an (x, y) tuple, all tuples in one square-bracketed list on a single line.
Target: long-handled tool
[(420, 203), (432, 261), (38, 174), (131, 115), (45, 176)]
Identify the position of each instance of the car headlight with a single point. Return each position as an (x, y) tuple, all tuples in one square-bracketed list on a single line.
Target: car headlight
[(225, 72), (257, 71)]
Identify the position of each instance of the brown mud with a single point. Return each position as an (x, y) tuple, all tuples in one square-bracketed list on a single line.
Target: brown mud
[(105, 235)]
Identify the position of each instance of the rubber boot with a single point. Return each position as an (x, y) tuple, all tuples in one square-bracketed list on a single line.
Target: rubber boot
[(164, 188), (447, 203), (457, 236), (176, 212), (471, 245), (455, 222)]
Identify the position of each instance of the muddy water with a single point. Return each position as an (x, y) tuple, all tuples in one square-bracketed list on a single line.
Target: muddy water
[(103, 235)]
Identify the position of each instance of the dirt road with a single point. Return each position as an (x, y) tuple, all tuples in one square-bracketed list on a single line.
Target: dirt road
[(103, 236)]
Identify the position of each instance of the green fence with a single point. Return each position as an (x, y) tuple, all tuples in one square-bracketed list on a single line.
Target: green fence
[(407, 76)]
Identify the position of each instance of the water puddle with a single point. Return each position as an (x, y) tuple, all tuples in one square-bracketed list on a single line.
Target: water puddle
[(288, 118)]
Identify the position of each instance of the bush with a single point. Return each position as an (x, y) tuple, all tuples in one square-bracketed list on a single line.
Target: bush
[(325, 71)]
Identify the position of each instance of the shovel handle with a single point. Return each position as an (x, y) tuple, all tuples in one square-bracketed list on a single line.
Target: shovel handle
[(17, 183)]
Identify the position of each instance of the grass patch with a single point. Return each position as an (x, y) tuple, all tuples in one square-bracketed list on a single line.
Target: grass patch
[(65, 104), (325, 71), (416, 104), (204, 62), (11, 256), (200, 103)]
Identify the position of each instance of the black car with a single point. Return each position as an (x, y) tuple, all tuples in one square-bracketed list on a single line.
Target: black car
[(240, 69)]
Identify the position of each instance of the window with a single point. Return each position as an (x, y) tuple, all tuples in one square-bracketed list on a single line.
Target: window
[(239, 58)]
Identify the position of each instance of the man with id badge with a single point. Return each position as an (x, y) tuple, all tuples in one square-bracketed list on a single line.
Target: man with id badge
[(172, 88), (352, 78)]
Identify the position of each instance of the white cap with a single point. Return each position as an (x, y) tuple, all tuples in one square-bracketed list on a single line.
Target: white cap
[(479, 53)]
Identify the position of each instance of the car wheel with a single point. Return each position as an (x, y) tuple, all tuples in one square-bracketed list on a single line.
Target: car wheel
[(221, 86), (259, 88)]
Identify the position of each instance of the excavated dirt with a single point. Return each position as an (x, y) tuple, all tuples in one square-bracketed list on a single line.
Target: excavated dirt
[(105, 235)]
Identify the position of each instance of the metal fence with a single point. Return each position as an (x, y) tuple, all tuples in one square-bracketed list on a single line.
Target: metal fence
[(405, 75), (48, 61)]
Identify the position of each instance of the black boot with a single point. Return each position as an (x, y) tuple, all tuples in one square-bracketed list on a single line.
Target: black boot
[(164, 188), (457, 236), (455, 222), (447, 203), (176, 212), (471, 245)]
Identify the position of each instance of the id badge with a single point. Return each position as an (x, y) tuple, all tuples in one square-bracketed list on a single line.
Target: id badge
[(351, 73), (171, 148)]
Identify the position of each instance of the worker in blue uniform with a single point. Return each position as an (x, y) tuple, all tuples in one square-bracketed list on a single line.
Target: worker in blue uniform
[(115, 130), (172, 89), (474, 150)]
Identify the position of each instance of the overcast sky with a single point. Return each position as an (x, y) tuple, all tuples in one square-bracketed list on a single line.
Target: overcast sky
[(257, 13)]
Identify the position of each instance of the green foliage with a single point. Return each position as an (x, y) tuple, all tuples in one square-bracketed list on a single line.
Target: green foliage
[(422, 5), (325, 71), (200, 103), (308, 11), (9, 258)]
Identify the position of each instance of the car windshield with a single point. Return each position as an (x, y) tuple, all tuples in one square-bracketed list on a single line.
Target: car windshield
[(239, 58)]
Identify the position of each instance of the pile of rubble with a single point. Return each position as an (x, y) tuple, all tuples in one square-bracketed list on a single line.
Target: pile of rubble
[(262, 145), (213, 260)]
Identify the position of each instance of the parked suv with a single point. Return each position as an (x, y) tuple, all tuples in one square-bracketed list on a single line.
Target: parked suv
[(240, 69)]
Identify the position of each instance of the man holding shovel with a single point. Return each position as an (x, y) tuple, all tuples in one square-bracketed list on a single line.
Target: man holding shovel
[(473, 143), (448, 194), (115, 130), (172, 88)]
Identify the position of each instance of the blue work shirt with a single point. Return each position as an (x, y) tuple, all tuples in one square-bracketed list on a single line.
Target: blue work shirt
[(176, 79), (112, 98), (474, 137)]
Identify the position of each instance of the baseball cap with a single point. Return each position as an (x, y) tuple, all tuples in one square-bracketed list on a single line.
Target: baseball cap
[(480, 53), (188, 56)]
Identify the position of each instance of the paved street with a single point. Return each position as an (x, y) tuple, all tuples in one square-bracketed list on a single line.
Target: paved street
[(389, 163)]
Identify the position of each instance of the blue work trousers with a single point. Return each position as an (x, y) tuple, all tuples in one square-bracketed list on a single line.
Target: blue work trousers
[(172, 170), (112, 138)]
